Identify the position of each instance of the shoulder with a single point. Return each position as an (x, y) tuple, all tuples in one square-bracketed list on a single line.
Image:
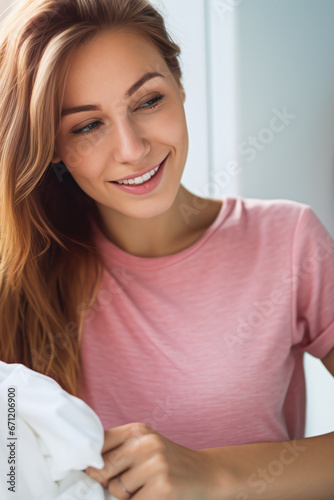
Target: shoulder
[(272, 208), (262, 225), (266, 214)]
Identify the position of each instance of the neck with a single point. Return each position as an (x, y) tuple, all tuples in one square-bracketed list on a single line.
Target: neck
[(164, 234)]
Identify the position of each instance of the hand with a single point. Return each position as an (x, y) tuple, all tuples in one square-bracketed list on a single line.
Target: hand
[(153, 467)]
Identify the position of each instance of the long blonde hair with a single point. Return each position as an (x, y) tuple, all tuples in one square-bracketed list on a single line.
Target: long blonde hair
[(50, 270)]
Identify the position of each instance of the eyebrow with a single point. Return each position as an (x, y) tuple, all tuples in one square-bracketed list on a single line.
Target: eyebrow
[(129, 93)]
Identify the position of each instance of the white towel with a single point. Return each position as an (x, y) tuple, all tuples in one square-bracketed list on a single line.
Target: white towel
[(55, 437)]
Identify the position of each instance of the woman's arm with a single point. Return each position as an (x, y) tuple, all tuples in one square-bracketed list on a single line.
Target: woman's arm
[(152, 468), (291, 470)]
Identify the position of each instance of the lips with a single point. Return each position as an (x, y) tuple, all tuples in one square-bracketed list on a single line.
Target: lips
[(140, 173), (146, 187)]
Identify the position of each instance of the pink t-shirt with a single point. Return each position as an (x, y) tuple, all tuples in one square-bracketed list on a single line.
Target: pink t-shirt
[(206, 345)]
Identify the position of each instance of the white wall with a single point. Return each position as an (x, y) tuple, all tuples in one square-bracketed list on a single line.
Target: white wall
[(5, 6)]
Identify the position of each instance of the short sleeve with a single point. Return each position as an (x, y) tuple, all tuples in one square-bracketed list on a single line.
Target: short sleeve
[(313, 285)]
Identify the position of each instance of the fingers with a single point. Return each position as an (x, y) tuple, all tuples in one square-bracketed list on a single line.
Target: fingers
[(133, 480), (118, 435), (115, 462), (118, 459), (127, 452), (124, 485)]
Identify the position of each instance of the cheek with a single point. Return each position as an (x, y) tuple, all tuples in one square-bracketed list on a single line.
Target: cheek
[(174, 128), (84, 172), (81, 155), (84, 160)]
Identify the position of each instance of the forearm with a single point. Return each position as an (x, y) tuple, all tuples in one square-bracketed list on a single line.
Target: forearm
[(289, 470)]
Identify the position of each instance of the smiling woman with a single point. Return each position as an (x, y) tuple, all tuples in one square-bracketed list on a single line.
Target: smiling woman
[(182, 321), (132, 131)]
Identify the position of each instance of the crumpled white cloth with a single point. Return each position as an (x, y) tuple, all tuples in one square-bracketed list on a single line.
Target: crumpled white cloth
[(58, 436)]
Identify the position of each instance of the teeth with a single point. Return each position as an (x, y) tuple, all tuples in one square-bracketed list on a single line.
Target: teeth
[(141, 179)]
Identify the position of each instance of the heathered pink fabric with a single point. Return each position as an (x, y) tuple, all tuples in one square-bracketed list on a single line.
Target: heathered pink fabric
[(206, 345)]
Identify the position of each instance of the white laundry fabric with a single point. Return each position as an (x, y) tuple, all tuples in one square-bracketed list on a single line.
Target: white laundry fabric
[(57, 437)]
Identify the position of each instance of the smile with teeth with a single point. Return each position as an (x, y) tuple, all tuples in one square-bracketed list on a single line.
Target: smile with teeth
[(141, 179)]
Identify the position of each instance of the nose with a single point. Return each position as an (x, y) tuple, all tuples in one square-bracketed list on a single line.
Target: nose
[(129, 143)]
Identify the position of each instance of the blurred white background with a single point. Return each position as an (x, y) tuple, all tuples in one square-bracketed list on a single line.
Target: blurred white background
[(244, 63)]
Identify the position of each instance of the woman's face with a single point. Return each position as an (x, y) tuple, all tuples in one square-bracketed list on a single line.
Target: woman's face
[(132, 131)]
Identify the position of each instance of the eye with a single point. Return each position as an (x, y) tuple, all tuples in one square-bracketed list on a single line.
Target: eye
[(86, 129), (90, 128), (152, 103)]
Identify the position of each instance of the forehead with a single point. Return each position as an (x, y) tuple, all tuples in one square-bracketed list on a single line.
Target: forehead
[(111, 62)]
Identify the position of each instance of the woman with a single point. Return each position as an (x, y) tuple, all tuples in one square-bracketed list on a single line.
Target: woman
[(182, 321)]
